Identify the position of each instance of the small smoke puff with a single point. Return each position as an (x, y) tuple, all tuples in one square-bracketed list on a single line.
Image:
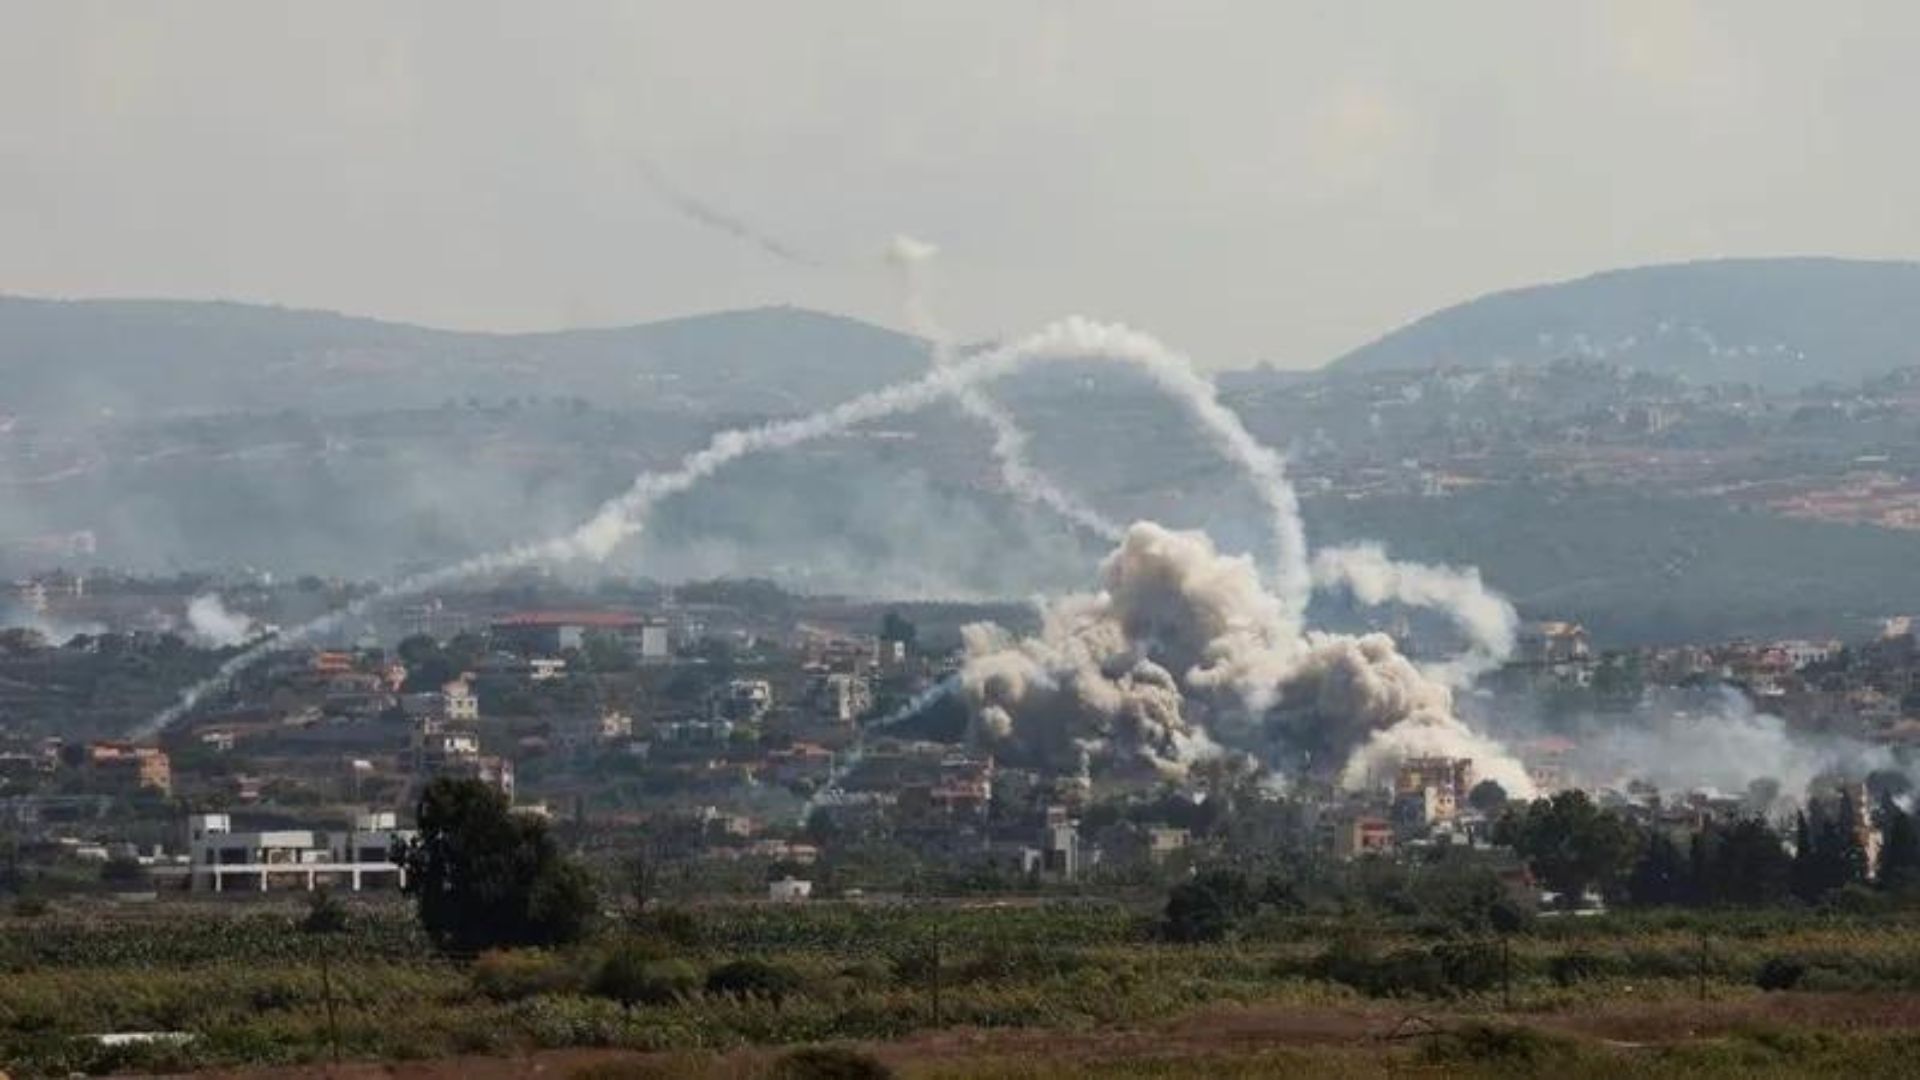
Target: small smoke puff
[(215, 625), (904, 250)]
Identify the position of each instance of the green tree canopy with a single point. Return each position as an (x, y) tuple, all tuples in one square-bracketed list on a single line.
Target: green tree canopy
[(1571, 844), (484, 876)]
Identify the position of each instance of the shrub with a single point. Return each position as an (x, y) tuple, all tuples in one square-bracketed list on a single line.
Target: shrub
[(753, 978), (1451, 968), (830, 1063), (512, 974), (1495, 1044), (636, 976), (1577, 966), (1780, 973)]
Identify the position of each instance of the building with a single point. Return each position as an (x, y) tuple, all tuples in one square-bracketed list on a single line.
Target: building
[(131, 767), (843, 696), (743, 700), (789, 890), (543, 633), (1453, 776), (1164, 842), (1551, 643), (1352, 835), (655, 645), (1061, 856), (362, 856)]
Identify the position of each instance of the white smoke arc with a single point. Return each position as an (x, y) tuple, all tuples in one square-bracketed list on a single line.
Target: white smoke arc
[(911, 256), (624, 516), (1487, 620)]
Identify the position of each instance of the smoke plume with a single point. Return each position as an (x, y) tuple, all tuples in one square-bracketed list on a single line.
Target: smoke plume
[(1184, 654), (213, 624), (1487, 620)]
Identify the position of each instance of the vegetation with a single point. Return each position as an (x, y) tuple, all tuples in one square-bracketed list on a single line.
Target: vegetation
[(484, 876)]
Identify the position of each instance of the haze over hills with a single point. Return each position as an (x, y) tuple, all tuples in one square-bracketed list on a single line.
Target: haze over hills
[(80, 358), (158, 435), (1780, 323)]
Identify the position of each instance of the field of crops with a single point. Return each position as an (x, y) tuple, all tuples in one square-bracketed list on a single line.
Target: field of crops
[(247, 987)]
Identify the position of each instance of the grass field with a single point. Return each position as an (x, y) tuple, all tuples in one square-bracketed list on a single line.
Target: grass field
[(949, 991)]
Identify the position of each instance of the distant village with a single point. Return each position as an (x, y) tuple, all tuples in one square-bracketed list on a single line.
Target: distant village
[(750, 742)]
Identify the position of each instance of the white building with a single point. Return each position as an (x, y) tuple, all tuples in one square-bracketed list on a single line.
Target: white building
[(845, 697), (654, 645), (218, 858), (789, 890)]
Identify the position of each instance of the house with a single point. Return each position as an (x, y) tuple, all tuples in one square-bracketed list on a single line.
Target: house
[(789, 890), (1351, 835), (544, 633), (363, 855), (1164, 842), (133, 767)]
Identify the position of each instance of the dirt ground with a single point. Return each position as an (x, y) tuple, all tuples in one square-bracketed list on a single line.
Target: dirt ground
[(1210, 1031)]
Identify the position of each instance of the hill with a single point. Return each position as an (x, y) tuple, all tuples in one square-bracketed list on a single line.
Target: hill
[(1777, 323), (148, 358)]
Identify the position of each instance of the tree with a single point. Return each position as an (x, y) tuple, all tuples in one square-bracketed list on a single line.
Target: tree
[(326, 916), (1662, 876), (1207, 907), (1741, 863), (1571, 844), (895, 627), (1828, 855), (1899, 848), (1488, 797), (484, 876)]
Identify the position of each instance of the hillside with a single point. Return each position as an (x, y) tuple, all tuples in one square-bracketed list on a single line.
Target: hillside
[(1778, 323), (171, 358)]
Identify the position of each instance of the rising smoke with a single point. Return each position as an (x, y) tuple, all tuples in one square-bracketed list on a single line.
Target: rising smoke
[(214, 625), (1184, 654), (1182, 645)]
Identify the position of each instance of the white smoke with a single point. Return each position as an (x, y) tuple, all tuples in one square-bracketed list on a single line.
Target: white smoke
[(1486, 619), (1222, 636), (911, 257), (1721, 743), (1184, 652), (213, 624)]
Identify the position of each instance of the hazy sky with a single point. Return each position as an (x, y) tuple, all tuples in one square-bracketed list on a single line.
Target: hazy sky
[(1254, 180)]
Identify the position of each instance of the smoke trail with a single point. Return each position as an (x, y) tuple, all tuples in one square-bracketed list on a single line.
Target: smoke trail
[(851, 758), (625, 515), (1486, 618), (713, 218), (911, 256)]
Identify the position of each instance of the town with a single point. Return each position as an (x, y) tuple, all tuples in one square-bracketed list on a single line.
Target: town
[(767, 745)]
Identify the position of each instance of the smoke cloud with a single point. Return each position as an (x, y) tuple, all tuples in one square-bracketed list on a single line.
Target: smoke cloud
[(1184, 655), (1486, 619), (213, 624)]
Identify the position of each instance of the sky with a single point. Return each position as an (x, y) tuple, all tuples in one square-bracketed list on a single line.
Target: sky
[(1260, 181)]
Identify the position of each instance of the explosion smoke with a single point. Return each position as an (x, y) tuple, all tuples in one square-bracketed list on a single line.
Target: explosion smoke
[(211, 622), (1183, 655), (1486, 618), (1186, 621)]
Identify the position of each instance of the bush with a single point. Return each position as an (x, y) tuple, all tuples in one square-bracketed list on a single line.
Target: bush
[(1438, 971), (636, 975), (753, 978), (830, 1063), (1780, 973), (512, 974), (1494, 1044), (1577, 966)]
